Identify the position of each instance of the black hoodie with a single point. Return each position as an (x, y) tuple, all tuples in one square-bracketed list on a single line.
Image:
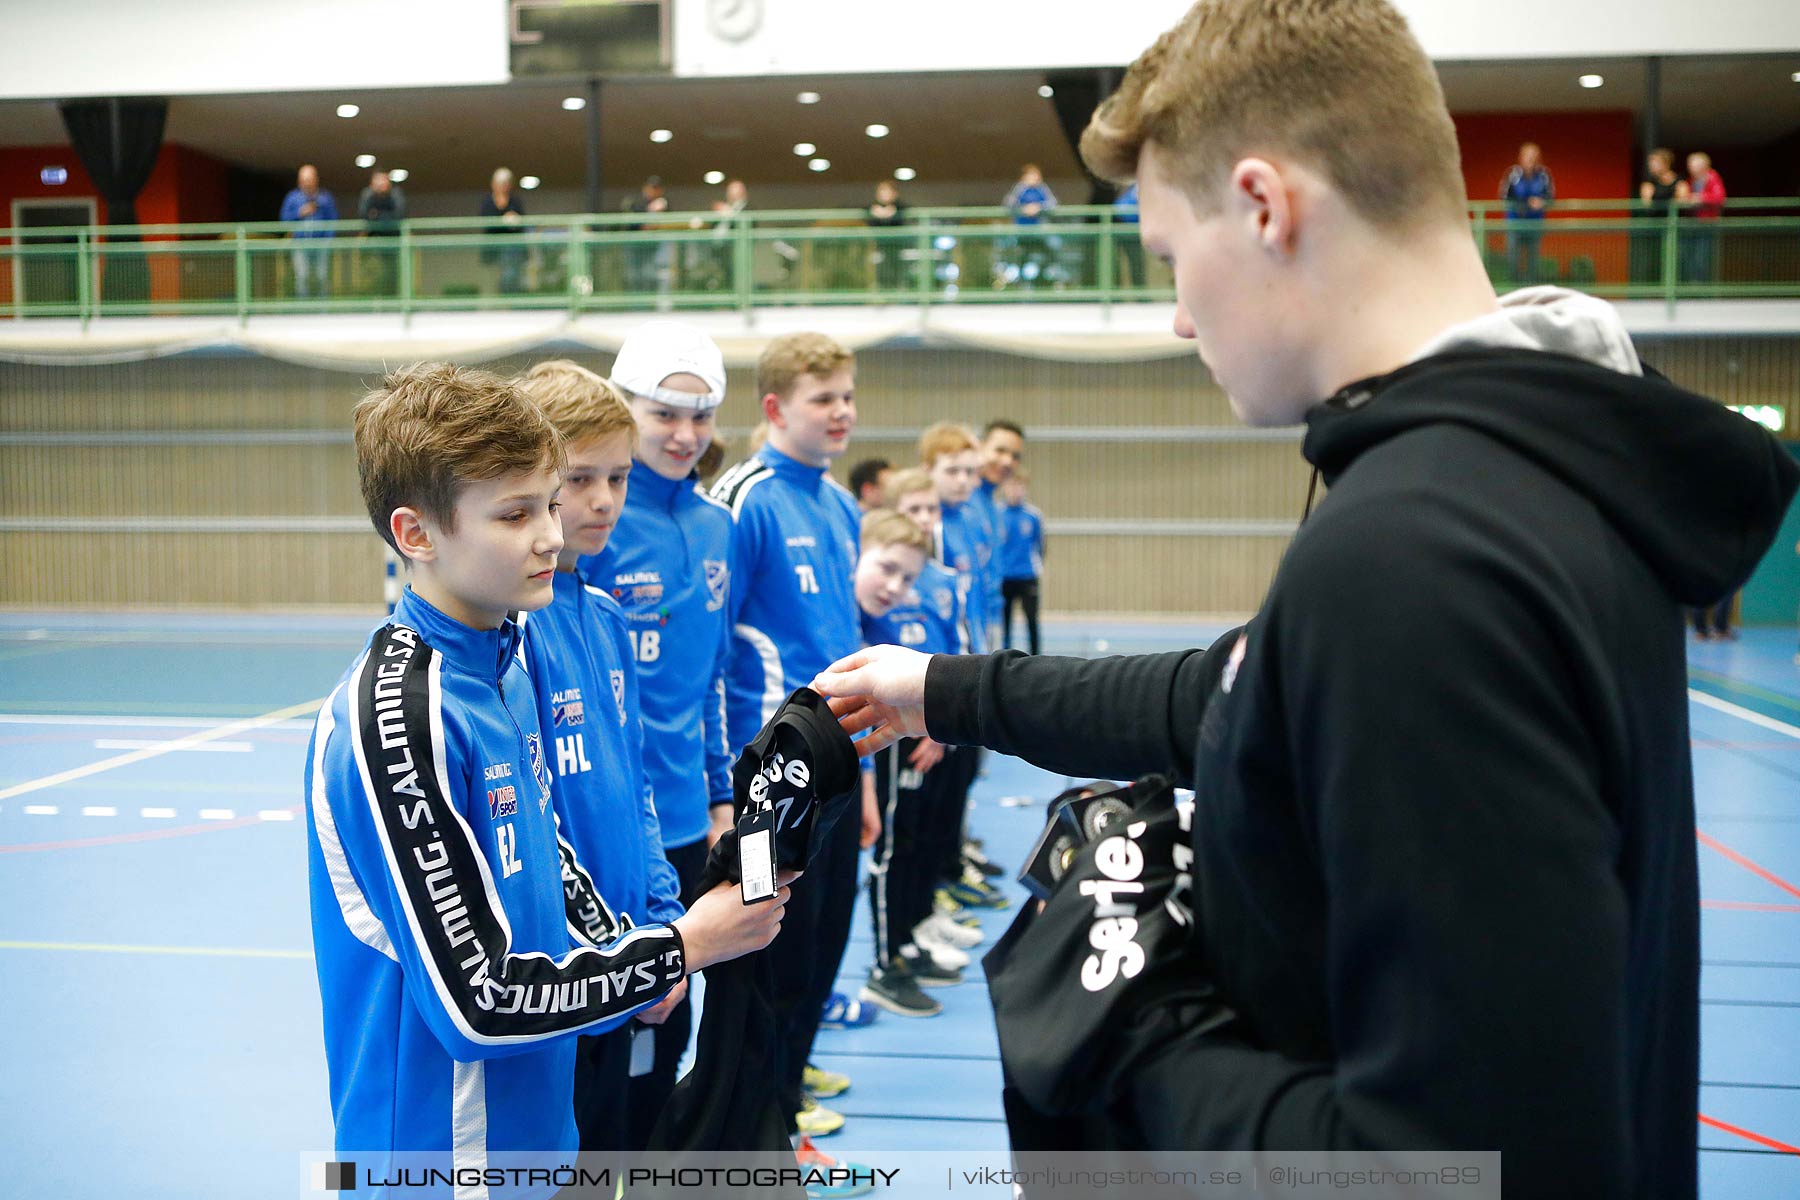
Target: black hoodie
[(1445, 867)]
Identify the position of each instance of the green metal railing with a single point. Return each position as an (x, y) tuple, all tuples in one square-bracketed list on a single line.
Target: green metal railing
[(606, 262)]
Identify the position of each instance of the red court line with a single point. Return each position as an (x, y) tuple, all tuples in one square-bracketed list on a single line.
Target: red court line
[(1720, 848), (1749, 906), (1758, 1138), (142, 835)]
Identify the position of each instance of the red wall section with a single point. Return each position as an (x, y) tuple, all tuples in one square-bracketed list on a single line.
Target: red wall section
[(185, 186), (1589, 153)]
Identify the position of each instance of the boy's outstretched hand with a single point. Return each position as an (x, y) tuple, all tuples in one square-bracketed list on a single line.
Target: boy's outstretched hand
[(880, 689)]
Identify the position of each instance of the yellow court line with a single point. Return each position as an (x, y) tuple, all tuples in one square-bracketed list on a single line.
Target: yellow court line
[(135, 756), (107, 948)]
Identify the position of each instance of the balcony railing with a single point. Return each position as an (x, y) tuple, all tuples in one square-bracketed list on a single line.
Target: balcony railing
[(684, 261)]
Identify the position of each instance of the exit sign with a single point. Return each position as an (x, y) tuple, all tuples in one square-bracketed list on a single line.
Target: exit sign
[(54, 176)]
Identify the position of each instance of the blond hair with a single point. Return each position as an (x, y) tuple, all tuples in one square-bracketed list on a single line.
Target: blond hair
[(946, 437), (785, 359), (581, 404), (1341, 85), (433, 428), (906, 483), (885, 527)]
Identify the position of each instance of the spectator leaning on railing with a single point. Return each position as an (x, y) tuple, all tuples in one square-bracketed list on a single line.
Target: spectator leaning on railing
[(1660, 188), (310, 206), (1126, 239), (383, 206), (887, 211), (1704, 193), (1528, 191), (1029, 200), (501, 201)]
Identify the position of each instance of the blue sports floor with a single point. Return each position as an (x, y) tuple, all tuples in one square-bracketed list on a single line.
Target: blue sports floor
[(160, 1033)]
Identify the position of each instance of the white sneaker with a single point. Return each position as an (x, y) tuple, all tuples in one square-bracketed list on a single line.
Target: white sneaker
[(940, 951), (941, 928)]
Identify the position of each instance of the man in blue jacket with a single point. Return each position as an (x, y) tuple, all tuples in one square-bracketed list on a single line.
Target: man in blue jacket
[(668, 565), (309, 206), (793, 612), (458, 939), (1529, 192)]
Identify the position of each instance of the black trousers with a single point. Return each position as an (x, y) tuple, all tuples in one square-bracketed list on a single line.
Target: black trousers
[(1025, 593), (947, 829), (602, 1092), (650, 1092), (917, 815), (1716, 619), (806, 953)]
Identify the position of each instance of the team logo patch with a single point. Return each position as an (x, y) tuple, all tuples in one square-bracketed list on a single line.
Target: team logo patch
[(946, 604), (718, 582), (566, 707), (618, 689), (535, 745)]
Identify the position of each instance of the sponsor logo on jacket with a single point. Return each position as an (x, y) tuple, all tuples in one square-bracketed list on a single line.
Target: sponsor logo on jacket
[(566, 707)]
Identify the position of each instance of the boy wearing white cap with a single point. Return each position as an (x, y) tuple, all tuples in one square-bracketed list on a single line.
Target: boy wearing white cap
[(669, 566)]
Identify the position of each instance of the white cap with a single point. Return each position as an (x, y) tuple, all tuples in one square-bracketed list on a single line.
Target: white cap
[(656, 350)]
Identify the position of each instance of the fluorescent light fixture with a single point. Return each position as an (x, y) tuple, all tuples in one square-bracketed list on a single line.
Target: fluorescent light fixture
[(365, 160), (529, 182), (1591, 81), (714, 177), (820, 164), (398, 175), (659, 136), (905, 174), (877, 131), (808, 97), (1795, 77), (347, 111), (574, 103), (803, 149), (1046, 91), (53, 176)]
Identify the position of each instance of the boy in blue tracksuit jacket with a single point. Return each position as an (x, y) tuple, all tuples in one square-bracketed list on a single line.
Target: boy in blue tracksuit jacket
[(793, 613), (950, 455), (1002, 453), (579, 656), (1021, 559), (459, 941), (668, 565)]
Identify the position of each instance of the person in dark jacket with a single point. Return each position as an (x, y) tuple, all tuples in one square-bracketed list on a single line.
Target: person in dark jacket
[(1444, 866)]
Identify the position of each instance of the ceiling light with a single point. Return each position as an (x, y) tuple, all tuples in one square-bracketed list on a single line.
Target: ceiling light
[(398, 175), (348, 110), (877, 131), (903, 174), (820, 164), (574, 103), (365, 160), (808, 97), (1591, 81), (805, 148), (529, 182), (659, 136), (1796, 77), (714, 177), (1046, 91)]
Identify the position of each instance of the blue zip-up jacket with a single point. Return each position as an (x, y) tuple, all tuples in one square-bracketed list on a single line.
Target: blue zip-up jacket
[(1520, 187), (578, 655), (1022, 549), (930, 619), (324, 209), (967, 547), (793, 611), (454, 930), (668, 564), (986, 500)]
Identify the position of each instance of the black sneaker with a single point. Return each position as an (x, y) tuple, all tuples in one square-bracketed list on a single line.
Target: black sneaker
[(894, 988), (925, 971), (973, 857)]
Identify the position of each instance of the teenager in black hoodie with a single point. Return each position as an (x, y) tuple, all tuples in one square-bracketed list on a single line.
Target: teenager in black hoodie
[(1444, 835)]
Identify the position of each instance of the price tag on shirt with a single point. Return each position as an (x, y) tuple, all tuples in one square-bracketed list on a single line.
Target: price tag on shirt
[(756, 855)]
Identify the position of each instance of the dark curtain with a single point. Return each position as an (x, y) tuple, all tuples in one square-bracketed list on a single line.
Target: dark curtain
[(117, 142)]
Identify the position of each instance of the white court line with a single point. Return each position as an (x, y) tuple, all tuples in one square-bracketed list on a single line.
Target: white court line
[(129, 722), (134, 756), (217, 814), (202, 951), (148, 744), (1743, 714), (275, 814), (99, 810), (41, 810), (156, 813)]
